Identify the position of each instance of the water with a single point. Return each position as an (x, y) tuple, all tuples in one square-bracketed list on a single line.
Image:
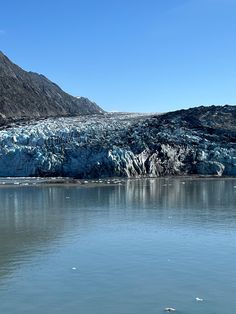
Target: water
[(121, 249)]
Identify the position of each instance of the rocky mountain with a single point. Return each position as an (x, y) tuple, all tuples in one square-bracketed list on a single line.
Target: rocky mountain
[(197, 141), (27, 95)]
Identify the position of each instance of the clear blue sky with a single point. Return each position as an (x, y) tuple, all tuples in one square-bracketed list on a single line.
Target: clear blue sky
[(128, 55)]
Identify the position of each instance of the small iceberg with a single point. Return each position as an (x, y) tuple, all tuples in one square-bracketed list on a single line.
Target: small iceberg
[(199, 299), (169, 309)]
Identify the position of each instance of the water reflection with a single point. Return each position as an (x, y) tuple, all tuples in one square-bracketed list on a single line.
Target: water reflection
[(33, 218)]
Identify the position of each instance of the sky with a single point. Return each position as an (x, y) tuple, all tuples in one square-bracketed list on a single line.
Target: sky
[(127, 55)]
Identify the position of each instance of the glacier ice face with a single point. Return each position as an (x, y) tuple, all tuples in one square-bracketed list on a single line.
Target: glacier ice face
[(113, 145)]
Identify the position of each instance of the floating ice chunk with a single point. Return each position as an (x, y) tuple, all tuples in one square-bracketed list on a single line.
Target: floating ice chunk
[(169, 309), (73, 268), (199, 299)]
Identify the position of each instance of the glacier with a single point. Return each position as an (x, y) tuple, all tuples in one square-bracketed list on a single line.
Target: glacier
[(116, 145)]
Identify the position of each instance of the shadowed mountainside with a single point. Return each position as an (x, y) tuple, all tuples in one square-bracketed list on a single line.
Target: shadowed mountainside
[(27, 95)]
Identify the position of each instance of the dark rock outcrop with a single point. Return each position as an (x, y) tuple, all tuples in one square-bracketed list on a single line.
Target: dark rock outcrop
[(27, 95), (199, 140)]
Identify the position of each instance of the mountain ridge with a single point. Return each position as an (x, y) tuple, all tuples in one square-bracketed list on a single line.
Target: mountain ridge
[(29, 95)]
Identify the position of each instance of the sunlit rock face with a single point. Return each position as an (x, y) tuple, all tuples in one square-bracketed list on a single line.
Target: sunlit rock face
[(27, 95), (196, 141)]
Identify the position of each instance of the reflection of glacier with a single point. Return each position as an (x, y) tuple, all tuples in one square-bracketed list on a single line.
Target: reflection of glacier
[(176, 193), (34, 219)]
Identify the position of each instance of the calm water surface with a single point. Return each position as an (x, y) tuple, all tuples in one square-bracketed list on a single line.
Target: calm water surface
[(125, 249)]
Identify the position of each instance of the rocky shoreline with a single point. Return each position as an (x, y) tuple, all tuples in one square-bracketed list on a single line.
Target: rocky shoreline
[(198, 141)]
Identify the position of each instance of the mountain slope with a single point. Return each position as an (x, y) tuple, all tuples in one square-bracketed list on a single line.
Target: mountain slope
[(27, 95)]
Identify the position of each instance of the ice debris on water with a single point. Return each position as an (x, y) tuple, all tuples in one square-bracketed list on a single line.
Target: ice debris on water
[(199, 299), (170, 309), (74, 268)]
